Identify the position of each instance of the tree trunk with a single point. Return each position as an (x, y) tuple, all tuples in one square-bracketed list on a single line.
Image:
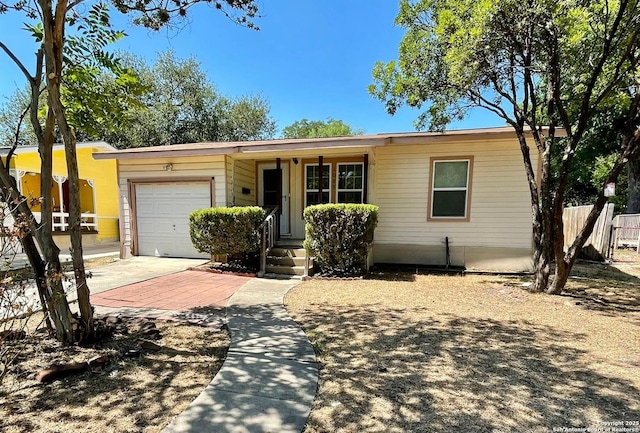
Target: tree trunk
[(560, 278), (633, 203), (565, 261), (82, 289), (48, 278), (47, 269), (542, 271), (53, 46), (543, 225)]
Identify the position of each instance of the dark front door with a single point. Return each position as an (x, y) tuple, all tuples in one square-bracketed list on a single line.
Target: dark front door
[(270, 187)]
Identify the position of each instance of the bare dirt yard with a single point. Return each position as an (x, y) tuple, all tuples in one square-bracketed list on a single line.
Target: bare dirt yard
[(433, 353), (139, 390)]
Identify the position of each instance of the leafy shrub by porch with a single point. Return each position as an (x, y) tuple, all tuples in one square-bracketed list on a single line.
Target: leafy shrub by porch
[(339, 236), (226, 230)]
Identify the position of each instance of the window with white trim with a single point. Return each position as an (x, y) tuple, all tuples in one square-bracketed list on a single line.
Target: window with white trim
[(350, 182), (450, 188), (312, 184)]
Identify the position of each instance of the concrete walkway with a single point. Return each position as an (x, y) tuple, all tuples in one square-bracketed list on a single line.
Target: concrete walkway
[(269, 378)]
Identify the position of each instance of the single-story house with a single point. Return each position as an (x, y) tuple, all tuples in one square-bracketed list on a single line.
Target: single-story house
[(98, 189), (464, 188)]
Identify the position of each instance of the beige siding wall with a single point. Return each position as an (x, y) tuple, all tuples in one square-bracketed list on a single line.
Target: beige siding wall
[(244, 173), (228, 167), (184, 168), (500, 213)]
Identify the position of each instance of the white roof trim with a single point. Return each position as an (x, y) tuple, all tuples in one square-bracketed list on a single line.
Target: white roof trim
[(83, 145)]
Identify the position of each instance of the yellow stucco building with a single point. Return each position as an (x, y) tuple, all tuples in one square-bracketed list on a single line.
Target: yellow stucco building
[(98, 189)]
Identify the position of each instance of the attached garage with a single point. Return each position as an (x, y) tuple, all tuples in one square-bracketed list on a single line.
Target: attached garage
[(162, 216)]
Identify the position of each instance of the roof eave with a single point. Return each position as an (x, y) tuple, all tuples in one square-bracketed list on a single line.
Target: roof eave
[(262, 148), (164, 152)]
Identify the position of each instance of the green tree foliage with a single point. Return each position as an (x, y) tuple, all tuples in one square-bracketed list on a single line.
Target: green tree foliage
[(97, 88), (56, 44), (87, 38), (555, 63), (182, 106), (593, 161), (14, 120), (318, 128), (169, 102)]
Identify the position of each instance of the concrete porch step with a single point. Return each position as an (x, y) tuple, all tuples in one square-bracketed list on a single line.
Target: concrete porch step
[(285, 260), (273, 276), (285, 270), (290, 243), (278, 251)]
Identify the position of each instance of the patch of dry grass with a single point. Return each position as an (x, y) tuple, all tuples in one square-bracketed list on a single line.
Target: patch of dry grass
[(100, 261), (426, 353), (131, 395)]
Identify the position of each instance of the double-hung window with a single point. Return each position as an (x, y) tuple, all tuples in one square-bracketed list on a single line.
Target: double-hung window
[(350, 183), (450, 188), (312, 184)]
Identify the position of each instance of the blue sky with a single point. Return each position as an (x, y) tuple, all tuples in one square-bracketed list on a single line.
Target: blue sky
[(311, 58)]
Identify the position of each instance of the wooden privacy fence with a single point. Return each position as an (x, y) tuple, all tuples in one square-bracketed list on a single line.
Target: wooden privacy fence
[(597, 245), (626, 231)]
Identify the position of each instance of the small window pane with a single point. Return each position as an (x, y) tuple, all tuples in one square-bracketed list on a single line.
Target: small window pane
[(350, 176), (350, 197), (449, 203), (313, 176), (450, 174), (312, 198)]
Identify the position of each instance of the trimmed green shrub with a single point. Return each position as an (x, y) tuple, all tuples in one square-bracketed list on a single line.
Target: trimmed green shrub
[(226, 230), (339, 236)]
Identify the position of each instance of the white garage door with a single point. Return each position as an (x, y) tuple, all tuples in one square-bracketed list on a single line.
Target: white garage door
[(162, 212)]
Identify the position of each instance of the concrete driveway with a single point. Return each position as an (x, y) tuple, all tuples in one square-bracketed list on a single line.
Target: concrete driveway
[(161, 288), (116, 274), (135, 269)]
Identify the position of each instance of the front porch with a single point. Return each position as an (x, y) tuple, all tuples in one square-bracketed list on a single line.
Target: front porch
[(285, 187), (29, 185), (291, 184)]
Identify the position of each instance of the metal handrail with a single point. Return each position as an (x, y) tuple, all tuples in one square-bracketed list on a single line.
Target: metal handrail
[(269, 235)]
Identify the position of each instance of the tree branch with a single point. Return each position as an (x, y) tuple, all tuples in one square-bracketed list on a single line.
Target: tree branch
[(585, 108), (491, 106), (17, 61), (73, 4), (16, 137)]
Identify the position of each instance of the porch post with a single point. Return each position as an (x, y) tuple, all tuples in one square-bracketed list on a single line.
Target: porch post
[(94, 209), (60, 180), (320, 178), (365, 178), (19, 175), (279, 185), (276, 225)]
